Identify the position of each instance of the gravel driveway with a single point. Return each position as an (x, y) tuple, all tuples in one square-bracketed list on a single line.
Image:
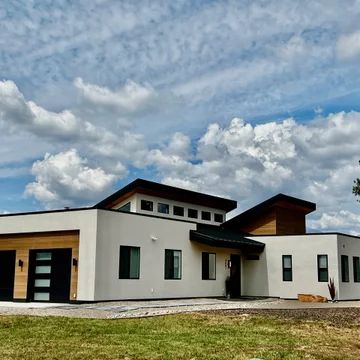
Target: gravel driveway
[(131, 309)]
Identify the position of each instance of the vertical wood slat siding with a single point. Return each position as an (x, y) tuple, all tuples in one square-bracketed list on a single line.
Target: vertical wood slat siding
[(278, 221), (23, 243), (264, 225)]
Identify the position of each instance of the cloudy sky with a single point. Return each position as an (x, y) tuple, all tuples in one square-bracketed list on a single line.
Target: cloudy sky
[(243, 99)]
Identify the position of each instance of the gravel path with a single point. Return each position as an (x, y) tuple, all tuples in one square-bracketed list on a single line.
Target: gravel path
[(133, 309)]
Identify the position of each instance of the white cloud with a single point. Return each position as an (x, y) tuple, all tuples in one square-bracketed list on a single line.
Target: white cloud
[(106, 141), (348, 46), (130, 98), (65, 178), (316, 161), (337, 221), (264, 55), (17, 113)]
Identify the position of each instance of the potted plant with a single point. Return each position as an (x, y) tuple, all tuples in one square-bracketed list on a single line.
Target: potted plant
[(332, 289)]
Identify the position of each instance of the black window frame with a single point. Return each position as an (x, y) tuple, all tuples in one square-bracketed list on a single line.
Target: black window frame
[(126, 207), (195, 214), (323, 270), (345, 274), (203, 215), (169, 268), (356, 268), (287, 273), (205, 266), (167, 206), (216, 218), (143, 202), (125, 261), (177, 208)]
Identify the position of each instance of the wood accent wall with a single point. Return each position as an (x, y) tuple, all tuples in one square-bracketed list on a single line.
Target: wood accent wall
[(264, 225), (23, 243), (277, 221), (289, 222)]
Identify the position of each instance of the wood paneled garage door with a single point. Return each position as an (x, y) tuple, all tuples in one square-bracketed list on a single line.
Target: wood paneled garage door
[(39, 266)]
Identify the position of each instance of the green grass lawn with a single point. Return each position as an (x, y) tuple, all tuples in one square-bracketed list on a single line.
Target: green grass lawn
[(187, 336)]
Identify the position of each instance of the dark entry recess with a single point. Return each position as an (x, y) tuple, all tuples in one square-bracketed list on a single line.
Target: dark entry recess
[(235, 276), (49, 275), (7, 274)]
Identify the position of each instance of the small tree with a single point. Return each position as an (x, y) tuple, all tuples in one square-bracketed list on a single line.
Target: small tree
[(356, 187)]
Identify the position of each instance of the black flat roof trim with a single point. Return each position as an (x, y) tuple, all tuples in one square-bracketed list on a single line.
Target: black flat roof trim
[(46, 212), (312, 233), (198, 198), (75, 230), (92, 208)]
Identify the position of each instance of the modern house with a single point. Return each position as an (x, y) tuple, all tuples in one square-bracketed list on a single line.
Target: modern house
[(151, 241)]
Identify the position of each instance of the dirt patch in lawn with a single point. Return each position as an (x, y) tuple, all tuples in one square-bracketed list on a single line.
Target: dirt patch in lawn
[(341, 317)]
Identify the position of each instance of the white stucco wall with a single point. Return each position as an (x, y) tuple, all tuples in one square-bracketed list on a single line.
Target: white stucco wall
[(115, 229), (264, 277), (84, 220), (349, 246)]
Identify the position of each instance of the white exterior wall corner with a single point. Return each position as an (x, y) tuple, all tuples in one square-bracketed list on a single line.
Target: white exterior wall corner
[(83, 220), (349, 246), (263, 277), (115, 229)]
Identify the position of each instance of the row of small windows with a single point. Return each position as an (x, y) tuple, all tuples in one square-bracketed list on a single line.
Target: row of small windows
[(323, 268), (129, 264), (163, 208)]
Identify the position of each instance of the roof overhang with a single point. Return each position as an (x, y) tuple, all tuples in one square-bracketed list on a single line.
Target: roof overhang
[(146, 187), (283, 201), (225, 239)]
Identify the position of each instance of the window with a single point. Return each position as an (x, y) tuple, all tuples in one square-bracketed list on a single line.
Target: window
[(125, 207), (356, 264), (287, 267), (178, 211), (192, 213), (206, 215), (218, 218), (172, 264), (129, 267), (323, 272), (344, 268), (208, 266), (147, 205), (163, 208)]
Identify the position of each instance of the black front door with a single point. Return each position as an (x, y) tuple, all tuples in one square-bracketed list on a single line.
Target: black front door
[(49, 275), (7, 274), (235, 276)]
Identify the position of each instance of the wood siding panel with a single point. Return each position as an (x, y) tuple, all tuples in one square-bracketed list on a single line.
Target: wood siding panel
[(290, 222), (264, 225), (23, 243), (278, 221)]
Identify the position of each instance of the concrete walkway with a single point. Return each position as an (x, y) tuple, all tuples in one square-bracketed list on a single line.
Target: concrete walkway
[(131, 309)]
